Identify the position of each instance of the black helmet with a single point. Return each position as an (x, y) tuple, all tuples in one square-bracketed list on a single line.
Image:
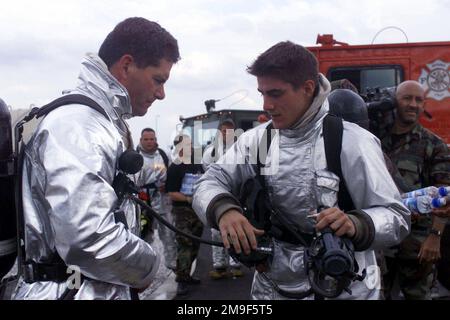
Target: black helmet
[(349, 106)]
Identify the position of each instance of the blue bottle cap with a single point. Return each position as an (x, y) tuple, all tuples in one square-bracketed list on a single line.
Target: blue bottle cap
[(443, 191), (438, 202)]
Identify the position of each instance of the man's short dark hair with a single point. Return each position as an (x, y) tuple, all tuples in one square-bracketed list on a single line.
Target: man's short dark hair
[(287, 61), (179, 138), (145, 40), (147, 130), (227, 121)]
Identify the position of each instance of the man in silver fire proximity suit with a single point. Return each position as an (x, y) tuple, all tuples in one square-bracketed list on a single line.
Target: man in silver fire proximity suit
[(152, 179), (298, 182), (71, 161)]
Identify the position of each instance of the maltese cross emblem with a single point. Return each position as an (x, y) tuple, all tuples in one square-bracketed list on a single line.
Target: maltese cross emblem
[(435, 79)]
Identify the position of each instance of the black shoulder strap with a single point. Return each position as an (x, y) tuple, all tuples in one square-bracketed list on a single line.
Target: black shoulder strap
[(332, 136), (165, 157), (70, 99), (261, 156), (19, 145)]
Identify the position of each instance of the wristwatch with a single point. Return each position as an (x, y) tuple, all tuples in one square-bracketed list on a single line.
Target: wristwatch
[(435, 232)]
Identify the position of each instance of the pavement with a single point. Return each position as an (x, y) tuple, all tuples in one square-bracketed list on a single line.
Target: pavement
[(164, 286), (222, 289)]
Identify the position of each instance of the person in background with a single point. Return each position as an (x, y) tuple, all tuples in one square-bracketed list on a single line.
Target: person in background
[(423, 160), (152, 180), (181, 176), (221, 259)]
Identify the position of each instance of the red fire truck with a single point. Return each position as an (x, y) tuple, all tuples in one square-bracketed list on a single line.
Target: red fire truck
[(386, 65)]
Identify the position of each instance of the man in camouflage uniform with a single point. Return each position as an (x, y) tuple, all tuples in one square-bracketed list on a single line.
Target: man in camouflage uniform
[(423, 160), (181, 177)]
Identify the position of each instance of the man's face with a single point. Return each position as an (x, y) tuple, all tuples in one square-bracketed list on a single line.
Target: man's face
[(285, 104), (185, 150), (148, 141), (227, 131), (410, 102), (145, 85)]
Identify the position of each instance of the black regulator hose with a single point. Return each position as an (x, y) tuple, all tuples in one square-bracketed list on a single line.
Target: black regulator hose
[(148, 210)]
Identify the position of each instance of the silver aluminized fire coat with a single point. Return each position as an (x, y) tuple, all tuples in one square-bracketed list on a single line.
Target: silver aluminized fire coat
[(298, 183), (154, 171), (69, 167)]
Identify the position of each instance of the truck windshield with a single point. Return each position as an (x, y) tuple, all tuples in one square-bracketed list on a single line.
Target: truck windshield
[(378, 78), (369, 77), (203, 132)]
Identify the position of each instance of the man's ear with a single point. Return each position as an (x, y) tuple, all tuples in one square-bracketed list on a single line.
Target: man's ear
[(309, 86), (121, 69)]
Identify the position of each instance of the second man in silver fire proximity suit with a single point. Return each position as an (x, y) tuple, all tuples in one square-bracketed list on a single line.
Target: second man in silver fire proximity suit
[(152, 180), (298, 182)]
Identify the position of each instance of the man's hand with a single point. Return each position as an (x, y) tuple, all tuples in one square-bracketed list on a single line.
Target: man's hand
[(443, 212), (430, 249), (237, 230), (337, 220)]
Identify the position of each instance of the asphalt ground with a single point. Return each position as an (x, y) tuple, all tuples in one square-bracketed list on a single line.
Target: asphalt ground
[(222, 289)]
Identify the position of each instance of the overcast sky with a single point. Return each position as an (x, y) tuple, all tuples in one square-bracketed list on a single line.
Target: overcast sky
[(43, 42)]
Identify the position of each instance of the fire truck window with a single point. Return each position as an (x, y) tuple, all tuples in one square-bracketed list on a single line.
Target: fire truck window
[(204, 132), (364, 77), (248, 124), (382, 78), (352, 75)]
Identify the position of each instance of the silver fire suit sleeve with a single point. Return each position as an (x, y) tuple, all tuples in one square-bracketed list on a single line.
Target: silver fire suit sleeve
[(373, 189), (72, 173), (223, 179)]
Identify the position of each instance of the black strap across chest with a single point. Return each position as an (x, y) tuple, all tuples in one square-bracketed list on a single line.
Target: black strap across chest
[(332, 134)]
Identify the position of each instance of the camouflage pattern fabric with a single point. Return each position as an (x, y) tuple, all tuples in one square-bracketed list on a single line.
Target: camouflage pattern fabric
[(414, 279), (423, 160), (186, 220)]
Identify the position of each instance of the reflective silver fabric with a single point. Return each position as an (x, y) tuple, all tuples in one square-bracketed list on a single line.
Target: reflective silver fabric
[(155, 171), (299, 183), (220, 257), (69, 166)]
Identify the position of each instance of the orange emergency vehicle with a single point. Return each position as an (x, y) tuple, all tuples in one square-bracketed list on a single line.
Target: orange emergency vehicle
[(387, 65)]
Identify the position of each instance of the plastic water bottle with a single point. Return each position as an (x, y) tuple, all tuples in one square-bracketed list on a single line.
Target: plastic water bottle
[(424, 204), (444, 191), (187, 185), (432, 191)]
